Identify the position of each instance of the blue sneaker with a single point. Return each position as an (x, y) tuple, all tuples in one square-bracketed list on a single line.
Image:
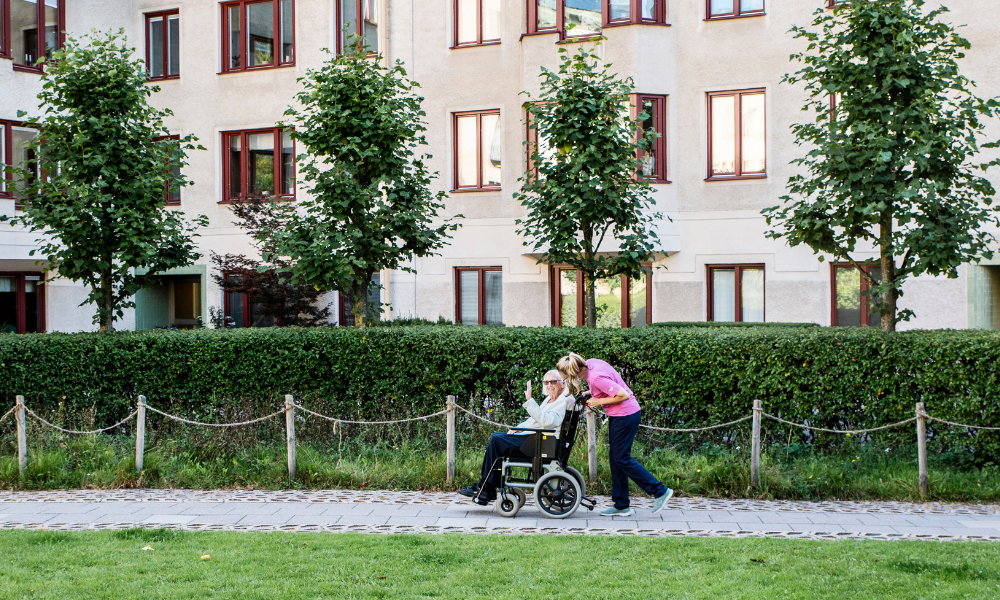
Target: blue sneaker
[(661, 502), (617, 512)]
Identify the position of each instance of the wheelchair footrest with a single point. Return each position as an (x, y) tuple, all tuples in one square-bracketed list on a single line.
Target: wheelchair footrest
[(588, 502)]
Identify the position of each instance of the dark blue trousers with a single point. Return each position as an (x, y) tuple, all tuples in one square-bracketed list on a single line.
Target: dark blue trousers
[(621, 433), (501, 445)]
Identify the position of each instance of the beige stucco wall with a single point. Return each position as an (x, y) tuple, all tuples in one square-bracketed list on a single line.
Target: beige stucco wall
[(713, 222)]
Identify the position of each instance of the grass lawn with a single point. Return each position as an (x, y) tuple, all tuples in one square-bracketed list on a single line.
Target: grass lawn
[(68, 565)]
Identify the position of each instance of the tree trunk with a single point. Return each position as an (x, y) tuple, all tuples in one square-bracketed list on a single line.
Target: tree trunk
[(888, 263), (106, 308), (590, 298), (360, 293)]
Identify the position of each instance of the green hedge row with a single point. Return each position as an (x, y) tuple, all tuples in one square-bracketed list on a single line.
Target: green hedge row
[(684, 377)]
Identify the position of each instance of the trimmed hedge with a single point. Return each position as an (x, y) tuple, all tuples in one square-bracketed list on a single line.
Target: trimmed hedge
[(717, 324), (686, 377)]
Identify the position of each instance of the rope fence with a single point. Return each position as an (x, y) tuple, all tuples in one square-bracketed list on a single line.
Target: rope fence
[(21, 412)]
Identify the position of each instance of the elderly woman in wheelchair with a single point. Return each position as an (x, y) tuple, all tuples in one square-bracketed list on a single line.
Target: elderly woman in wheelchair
[(537, 450)]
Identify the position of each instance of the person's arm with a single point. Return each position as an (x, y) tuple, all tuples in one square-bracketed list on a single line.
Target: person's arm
[(614, 394), (549, 415), (620, 397)]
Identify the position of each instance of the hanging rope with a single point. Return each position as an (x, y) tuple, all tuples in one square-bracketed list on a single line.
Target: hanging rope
[(844, 431), (7, 414), (481, 418), (123, 421), (747, 418), (335, 420), (927, 416), (241, 423)]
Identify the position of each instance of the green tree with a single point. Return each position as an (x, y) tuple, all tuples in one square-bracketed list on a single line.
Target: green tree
[(96, 188), (896, 162), (582, 185), (369, 206)]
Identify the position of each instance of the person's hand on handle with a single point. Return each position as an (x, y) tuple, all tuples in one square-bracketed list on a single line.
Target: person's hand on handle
[(527, 391)]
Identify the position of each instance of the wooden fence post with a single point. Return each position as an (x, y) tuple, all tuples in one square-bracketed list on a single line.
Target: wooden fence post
[(755, 446), (922, 449), (290, 435), (22, 439), (451, 440), (591, 444), (140, 434)]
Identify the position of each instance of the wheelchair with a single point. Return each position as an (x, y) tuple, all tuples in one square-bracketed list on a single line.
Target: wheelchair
[(558, 488)]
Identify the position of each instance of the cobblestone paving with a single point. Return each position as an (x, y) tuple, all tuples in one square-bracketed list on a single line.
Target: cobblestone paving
[(389, 512)]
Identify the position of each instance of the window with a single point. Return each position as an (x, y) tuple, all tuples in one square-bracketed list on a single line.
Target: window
[(850, 308), (731, 9), (14, 153), (653, 163), (239, 311), (163, 45), (21, 21), (172, 197), (364, 29), (736, 293), (477, 22), (374, 312), (478, 151), (479, 296), (586, 18), (534, 142), (258, 164), (621, 301), (834, 3), (257, 35), (736, 135), (22, 303)]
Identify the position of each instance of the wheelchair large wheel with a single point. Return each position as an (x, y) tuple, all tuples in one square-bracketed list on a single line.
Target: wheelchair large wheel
[(521, 496), (557, 494), (579, 479)]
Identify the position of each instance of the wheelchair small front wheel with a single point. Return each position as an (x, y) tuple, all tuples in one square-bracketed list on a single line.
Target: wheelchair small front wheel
[(507, 506), (579, 479), (521, 496), (558, 494)]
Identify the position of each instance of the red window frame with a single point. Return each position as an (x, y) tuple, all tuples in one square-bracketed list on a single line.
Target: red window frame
[(865, 314), (482, 291), (479, 27), (635, 18), (278, 41), (581, 316), (739, 288), (659, 117), (359, 24), (735, 14), (738, 137), (7, 160), (7, 35), (22, 319), (834, 3), (227, 312), (227, 196), (479, 114), (165, 15)]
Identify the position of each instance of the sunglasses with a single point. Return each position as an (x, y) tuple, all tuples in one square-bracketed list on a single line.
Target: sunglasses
[(552, 382)]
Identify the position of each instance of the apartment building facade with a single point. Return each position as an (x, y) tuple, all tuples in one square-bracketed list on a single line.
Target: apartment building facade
[(707, 72)]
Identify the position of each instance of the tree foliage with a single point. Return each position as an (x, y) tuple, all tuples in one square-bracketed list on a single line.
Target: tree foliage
[(586, 187), (96, 190), (268, 285), (897, 162), (369, 206)]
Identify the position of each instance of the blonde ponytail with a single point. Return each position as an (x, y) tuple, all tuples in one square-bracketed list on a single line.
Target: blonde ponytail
[(570, 367)]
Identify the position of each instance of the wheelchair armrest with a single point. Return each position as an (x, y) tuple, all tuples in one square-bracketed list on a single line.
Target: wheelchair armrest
[(534, 430)]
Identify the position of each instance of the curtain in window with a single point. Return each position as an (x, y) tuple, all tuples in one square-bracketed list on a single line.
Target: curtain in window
[(724, 295), (648, 165), (648, 9), (491, 19), (371, 17), (723, 135), (493, 136), (287, 163), (287, 32), (752, 108), (493, 288), (752, 302), (348, 21), (469, 301), (467, 33)]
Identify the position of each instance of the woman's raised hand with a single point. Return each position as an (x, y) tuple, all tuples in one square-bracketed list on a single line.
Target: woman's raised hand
[(527, 391)]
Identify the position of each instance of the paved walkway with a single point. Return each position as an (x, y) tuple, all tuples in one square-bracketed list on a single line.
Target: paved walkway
[(426, 512)]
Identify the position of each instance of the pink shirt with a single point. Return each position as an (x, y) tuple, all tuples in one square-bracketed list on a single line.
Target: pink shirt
[(605, 382)]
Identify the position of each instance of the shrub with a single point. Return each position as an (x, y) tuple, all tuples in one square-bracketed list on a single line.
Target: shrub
[(687, 377)]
